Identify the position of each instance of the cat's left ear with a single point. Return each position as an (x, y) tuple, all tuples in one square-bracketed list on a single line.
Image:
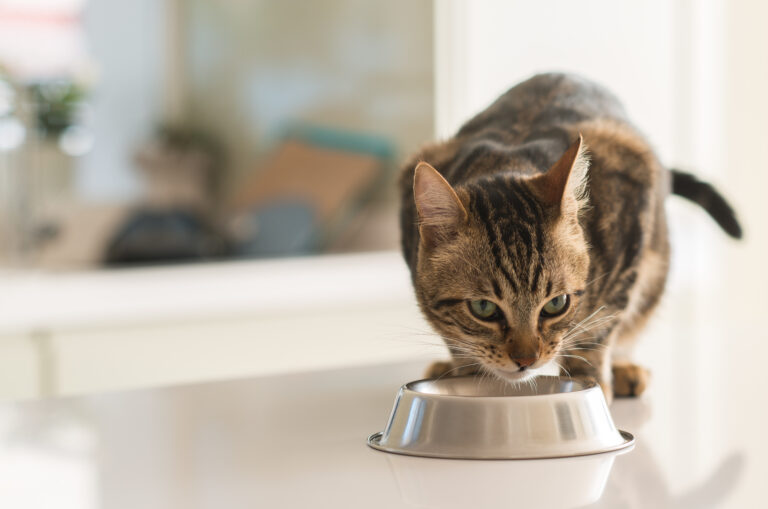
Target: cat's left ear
[(563, 184), (440, 210)]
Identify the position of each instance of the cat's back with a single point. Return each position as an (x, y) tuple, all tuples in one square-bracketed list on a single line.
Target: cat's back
[(543, 102), (528, 128)]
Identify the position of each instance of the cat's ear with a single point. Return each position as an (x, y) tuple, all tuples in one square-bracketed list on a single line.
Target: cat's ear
[(563, 185), (440, 210)]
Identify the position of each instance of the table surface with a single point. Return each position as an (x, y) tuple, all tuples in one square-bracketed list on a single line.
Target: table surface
[(299, 441)]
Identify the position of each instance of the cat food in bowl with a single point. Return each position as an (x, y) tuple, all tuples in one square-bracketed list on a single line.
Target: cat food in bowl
[(474, 418)]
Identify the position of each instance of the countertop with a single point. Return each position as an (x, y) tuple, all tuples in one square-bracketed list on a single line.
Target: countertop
[(300, 441)]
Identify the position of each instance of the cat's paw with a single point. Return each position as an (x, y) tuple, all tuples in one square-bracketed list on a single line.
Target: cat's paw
[(629, 380)]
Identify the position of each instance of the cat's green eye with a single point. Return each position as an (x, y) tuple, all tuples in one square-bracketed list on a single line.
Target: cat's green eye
[(556, 306), (484, 309)]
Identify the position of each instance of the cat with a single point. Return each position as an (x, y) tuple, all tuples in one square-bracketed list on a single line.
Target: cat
[(532, 254)]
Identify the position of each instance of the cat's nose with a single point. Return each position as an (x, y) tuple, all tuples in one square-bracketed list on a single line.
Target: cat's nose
[(524, 353), (524, 362)]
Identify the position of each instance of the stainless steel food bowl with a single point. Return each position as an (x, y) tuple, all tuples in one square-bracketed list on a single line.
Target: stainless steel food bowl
[(472, 418)]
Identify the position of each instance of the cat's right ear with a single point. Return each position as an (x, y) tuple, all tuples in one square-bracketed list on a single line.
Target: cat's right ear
[(562, 185), (440, 210)]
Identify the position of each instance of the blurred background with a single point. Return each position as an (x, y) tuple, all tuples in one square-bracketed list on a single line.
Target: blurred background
[(195, 190), (199, 190), (177, 131)]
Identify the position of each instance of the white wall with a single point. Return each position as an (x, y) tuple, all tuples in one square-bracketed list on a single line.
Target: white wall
[(631, 48), (745, 138)]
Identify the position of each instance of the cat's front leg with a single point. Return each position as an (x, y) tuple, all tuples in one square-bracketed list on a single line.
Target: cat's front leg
[(629, 380)]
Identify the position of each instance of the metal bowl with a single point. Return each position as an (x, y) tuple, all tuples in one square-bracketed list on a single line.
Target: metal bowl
[(471, 418)]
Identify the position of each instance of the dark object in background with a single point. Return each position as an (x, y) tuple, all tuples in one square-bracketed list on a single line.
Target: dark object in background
[(164, 237), (178, 219), (183, 169), (280, 229)]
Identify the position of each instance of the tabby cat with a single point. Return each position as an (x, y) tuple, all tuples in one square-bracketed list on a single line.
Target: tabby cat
[(531, 254)]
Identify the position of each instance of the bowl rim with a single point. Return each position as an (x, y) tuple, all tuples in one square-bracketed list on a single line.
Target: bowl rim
[(626, 446), (586, 386)]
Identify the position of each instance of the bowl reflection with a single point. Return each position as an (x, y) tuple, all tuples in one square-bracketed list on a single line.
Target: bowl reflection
[(561, 483)]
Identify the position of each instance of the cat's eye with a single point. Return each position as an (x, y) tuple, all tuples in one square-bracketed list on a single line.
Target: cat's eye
[(556, 306), (484, 309)]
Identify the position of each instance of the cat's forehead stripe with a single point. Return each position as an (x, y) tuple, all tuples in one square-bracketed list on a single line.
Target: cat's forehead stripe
[(493, 240), (496, 287), (512, 220)]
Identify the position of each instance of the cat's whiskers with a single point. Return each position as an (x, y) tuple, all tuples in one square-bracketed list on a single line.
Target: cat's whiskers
[(458, 367), (587, 347), (576, 344), (568, 349), (441, 341), (530, 381), (596, 279), (562, 367), (579, 341), (582, 325), (574, 340), (482, 373), (490, 375), (589, 323), (463, 342), (442, 347), (465, 348), (576, 357)]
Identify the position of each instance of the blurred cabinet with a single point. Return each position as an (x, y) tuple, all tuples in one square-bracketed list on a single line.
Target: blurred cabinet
[(20, 367), (227, 348), (111, 330)]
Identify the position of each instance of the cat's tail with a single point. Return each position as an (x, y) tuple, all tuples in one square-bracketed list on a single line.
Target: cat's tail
[(688, 186)]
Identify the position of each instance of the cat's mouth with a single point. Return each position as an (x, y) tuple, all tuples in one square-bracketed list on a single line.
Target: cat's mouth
[(516, 375)]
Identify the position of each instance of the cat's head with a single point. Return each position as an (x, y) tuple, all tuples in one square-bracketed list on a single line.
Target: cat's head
[(503, 263)]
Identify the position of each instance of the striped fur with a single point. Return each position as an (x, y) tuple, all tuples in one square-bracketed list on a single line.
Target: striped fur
[(605, 245)]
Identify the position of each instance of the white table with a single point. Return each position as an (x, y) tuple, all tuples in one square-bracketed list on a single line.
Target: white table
[(299, 441)]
